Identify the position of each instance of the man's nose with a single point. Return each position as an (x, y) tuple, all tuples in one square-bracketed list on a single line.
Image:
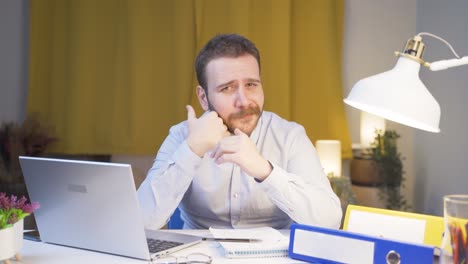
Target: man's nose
[(242, 99)]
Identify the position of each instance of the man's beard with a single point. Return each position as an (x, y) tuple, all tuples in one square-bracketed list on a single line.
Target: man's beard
[(229, 121)]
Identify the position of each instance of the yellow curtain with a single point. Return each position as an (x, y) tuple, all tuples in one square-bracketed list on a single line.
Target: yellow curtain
[(114, 75)]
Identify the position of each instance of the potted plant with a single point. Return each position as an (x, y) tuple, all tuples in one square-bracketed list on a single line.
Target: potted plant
[(30, 138), (342, 188), (389, 167), (12, 213)]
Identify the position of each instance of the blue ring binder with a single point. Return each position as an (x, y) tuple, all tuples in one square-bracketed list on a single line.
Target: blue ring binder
[(323, 245)]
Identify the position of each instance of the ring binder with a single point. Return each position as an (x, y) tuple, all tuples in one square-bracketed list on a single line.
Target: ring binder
[(391, 224), (317, 244)]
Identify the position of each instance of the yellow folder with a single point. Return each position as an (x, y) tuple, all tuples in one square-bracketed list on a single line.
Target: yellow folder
[(431, 226)]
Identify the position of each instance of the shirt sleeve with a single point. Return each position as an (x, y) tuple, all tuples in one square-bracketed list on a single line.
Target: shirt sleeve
[(168, 179), (301, 189)]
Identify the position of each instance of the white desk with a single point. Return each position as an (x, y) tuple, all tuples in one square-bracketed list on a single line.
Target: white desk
[(43, 253)]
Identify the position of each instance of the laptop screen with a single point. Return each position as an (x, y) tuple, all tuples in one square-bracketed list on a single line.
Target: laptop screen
[(90, 205)]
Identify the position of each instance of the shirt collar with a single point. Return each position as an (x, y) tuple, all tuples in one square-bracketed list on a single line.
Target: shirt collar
[(256, 132)]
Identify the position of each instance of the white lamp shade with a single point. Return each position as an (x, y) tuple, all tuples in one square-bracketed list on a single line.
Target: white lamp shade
[(398, 95), (369, 124), (329, 152)]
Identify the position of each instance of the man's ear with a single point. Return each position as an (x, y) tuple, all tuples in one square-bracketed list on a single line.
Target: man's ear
[(202, 98)]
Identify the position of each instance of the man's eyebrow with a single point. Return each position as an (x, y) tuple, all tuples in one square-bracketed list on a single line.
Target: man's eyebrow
[(253, 80), (225, 84)]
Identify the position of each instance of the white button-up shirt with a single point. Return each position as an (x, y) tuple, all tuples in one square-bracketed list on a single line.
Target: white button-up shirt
[(211, 195)]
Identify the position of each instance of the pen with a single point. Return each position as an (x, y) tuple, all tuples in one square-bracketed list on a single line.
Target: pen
[(245, 240)]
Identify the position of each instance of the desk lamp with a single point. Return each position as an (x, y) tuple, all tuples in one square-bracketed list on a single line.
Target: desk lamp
[(399, 94)]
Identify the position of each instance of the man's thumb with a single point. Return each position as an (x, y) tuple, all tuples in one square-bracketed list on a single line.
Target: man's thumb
[(238, 132), (190, 112)]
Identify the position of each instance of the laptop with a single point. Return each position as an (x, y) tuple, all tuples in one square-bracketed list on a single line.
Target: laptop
[(94, 206)]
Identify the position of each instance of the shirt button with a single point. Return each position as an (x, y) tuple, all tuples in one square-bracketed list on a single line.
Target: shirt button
[(236, 195)]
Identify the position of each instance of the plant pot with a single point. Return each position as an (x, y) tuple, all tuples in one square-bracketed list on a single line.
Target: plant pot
[(11, 241), (364, 172)]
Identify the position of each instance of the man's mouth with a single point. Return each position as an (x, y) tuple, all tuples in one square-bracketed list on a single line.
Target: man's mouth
[(245, 113)]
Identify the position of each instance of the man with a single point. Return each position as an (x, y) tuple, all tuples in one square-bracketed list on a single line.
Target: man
[(236, 166)]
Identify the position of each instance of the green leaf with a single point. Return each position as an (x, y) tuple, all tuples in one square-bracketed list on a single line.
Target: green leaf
[(390, 169)]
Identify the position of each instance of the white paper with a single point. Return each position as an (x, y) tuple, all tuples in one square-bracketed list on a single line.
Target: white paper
[(387, 226)]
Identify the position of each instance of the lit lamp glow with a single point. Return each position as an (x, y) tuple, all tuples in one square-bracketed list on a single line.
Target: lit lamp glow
[(329, 152), (369, 124), (399, 94)]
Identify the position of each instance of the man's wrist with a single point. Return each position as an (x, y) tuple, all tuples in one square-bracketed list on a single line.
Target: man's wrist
[(267, 169), (195, 148)]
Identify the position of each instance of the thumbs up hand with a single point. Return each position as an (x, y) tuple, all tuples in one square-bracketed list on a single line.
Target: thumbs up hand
[(204, 132)]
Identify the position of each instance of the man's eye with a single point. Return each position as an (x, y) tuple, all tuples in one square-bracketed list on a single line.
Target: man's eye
[(225, 89), (252, 84)]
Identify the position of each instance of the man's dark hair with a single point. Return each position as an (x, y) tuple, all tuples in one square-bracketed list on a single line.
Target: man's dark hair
[(223, 45)]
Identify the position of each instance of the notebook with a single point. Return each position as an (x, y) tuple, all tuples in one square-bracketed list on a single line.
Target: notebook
[(273, 243), (92, 205)]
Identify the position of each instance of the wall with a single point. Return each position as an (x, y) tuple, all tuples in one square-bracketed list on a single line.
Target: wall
[(14, 39), (441, 160), (435, 165), (373, 31)]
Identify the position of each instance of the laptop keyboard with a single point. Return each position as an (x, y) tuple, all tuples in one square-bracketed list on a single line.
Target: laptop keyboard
[(156, 246)]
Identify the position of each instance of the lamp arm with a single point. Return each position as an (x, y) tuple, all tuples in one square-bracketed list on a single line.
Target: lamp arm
[(445, 64)]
